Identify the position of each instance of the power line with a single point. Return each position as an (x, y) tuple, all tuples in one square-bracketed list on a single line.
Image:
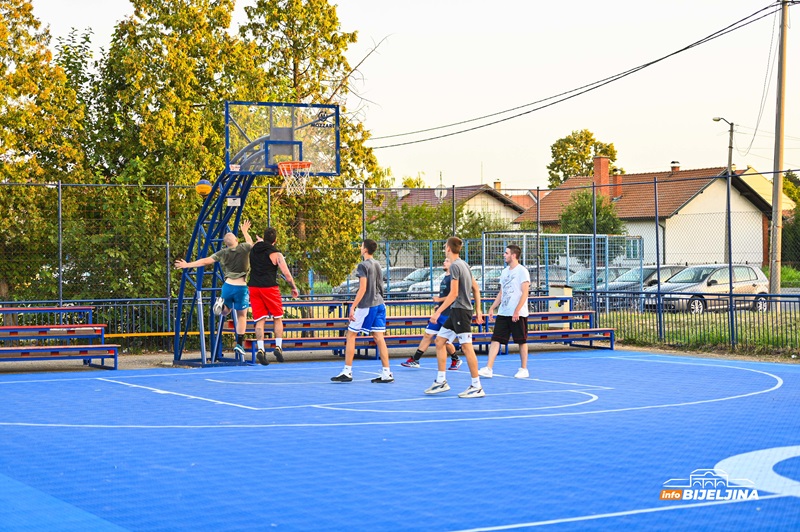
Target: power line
[(564, 96)]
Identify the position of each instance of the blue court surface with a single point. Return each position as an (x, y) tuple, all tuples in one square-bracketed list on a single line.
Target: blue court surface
[(593, 440)]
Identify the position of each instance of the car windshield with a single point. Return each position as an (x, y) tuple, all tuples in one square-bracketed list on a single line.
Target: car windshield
[(692, 275), (635, 275), (418, 275), (583, 276)]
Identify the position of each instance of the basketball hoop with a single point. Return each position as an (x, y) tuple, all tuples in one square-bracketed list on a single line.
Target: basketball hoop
[(295, 175)]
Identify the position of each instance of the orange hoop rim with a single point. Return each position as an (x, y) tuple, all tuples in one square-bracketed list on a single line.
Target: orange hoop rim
[(287, 168)]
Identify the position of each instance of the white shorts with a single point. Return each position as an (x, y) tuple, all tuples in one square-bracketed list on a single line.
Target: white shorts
[(450, 335)]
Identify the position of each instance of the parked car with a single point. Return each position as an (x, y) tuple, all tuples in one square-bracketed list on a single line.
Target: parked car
[(420, 275), (699, 288), (582, 280), (426, 289), (487, 276), (541, 278), (390, 276), (634, 281)]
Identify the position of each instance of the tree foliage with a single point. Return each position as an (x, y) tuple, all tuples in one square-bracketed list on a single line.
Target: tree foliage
[(574, 155), (577, 218)]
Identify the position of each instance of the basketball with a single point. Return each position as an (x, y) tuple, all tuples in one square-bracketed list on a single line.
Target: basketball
[(203, 187)]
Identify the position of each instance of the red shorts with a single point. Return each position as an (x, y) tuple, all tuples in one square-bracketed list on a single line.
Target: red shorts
[(266, 302)]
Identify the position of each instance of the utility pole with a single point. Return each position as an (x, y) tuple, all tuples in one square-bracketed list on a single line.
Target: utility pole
[(777, 164)]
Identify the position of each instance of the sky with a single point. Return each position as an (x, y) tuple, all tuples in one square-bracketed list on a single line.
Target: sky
[(439, 62)]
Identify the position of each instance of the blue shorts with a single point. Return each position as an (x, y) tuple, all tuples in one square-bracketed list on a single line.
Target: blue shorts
[(433, 328), (368, 320), (236, 297)]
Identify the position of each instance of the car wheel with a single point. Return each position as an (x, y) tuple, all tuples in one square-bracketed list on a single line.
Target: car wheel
[(760, 304), (696, 305)]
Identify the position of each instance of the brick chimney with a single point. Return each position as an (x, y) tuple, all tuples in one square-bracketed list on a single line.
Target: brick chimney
[(616, 187), (675, 166), (601, 179), (497, 186)]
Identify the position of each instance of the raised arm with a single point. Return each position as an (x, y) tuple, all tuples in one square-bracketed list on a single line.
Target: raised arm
[(245, 228), (182, 264)]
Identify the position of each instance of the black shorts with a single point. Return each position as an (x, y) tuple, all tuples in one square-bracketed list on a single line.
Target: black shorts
[(505, 328), (460, 321)]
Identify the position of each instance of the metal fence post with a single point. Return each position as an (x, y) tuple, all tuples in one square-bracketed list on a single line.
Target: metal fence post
[(363, 211), (169, 270), (60, 250), (269, 205), (659, 309), (454, 211)]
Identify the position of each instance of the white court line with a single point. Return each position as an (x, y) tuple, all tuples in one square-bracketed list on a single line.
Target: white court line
[(413, 422), (615, 514), (592, 398), (186, 396)]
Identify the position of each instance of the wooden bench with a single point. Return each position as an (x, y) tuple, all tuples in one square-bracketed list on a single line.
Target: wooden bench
[(51, 352), (53, 332), (82, 312)]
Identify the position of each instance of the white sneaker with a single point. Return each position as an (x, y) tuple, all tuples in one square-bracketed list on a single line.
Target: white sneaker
[(219, 304), (437, 387), (522, 373), (471, 392), (486, 371)]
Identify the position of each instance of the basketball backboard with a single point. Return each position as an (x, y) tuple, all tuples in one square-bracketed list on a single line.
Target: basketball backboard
[(259, 135)]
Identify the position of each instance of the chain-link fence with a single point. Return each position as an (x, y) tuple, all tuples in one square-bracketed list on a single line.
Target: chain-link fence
[(113, 246)]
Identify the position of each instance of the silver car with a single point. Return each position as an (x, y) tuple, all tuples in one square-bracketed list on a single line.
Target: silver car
[(700, 288)]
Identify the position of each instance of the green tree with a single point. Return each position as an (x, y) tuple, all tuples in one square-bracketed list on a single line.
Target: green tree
[(39, 116), (791, 186), (414, 182), (301, 42), (577, 218), (573, 156)]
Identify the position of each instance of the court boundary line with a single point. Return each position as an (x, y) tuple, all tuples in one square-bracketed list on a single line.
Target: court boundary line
[(640, 511)]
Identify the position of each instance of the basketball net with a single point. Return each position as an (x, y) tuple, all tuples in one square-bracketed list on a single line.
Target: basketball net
[(295, 176)]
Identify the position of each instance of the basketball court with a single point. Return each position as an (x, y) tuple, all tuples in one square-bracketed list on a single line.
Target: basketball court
[(591, 441)]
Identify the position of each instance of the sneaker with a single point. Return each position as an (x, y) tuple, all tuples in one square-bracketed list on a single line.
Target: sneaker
[(382, 379), (438, 387), (455, 363), (410, 363), (278, 354), (219, 304), (261, 356), (522, 373), (486, 371), (342, 378), (471, 392), (239, 351)]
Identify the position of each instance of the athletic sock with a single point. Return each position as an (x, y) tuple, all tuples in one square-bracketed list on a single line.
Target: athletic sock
[(278, 342), (387, 372), (440, 376), (240, 339), (476, 382), (348, 370), (418, 355), (260, 344)]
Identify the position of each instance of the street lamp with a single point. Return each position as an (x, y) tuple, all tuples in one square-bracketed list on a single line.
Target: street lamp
[(728, 239)]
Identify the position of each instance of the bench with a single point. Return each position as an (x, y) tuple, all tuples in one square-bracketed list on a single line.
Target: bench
[(481, 336), (53, 332), (94, 333), (83, 312), (52, 352)]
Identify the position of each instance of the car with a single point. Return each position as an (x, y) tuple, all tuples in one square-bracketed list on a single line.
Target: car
[(487, 277), (419, 275), (390, 275), (542, 277), (582, 279), (697, 289), (426, 289), (634, 281)]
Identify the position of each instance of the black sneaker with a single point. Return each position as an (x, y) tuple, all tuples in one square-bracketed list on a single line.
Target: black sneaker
[(261, 356), (278, 354), (342, 378), (381, 379)]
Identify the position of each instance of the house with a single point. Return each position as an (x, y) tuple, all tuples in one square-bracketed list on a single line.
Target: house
[(480, 199), (691, 212)]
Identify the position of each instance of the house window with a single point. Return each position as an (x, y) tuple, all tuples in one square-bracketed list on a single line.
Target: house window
[(633, 249)]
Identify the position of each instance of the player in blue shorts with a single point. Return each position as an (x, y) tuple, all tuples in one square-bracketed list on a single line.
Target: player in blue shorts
[(367, 315), (433, 328)]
